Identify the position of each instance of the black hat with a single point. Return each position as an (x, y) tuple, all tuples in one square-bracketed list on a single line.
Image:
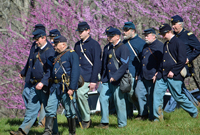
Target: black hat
[(106, 30), (150, 30), (83, 26), (54, 33), (176, 18), (112, 32), (38, 33), (164, 28), (39, 26), (59, 39), (129, 25)]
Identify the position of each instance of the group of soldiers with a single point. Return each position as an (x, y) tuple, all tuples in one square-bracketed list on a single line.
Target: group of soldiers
[(154, 66)]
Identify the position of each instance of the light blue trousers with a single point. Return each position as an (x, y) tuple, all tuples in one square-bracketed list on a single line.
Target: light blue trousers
[(26, 96), (171, 104), (132, 98), (107, 91), (129, 106), (36, 98), (175, 88), (64, 99), (144, 92), (82, 101)]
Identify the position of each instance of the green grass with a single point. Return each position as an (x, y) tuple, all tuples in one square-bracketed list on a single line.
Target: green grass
[(175, 123)]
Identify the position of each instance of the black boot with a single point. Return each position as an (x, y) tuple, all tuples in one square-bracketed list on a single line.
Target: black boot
[(19, 132), (72, 126), (48, 126)]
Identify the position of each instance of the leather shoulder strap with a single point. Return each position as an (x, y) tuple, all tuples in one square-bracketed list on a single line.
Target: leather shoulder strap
[(118, 46), (40, 57), (59, 56), (153, 54)]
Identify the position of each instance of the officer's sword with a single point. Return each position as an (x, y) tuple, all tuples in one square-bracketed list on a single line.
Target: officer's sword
[(76, 112), (67, 85)]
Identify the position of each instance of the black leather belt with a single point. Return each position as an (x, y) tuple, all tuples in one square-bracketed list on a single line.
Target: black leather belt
[(57, 80), (34, 81)]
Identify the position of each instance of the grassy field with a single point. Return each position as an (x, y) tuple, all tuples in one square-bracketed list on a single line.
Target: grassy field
[(176, 123)]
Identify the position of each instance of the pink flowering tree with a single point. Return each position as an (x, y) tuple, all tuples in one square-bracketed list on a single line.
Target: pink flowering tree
[(65, 15)]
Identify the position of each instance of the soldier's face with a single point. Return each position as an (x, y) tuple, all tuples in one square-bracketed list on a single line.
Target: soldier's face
[(58, 47), (177, 27), (166, 36), (41, 41), (113, 39), (128, 34), (84, 34), (149, 38)]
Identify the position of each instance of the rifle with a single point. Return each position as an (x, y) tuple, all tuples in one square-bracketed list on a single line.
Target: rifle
[(194, 76)]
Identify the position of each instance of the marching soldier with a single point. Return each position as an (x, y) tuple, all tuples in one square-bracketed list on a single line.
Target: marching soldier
[(26, 72), (112, 109), (111, 77), (89, 52), (150, 62), (169, 75), (65, 64), (192, 51), (39, 75), (135, 45)]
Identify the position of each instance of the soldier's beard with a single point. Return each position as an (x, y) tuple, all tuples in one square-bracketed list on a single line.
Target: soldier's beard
[(148, 42), (126, 37)]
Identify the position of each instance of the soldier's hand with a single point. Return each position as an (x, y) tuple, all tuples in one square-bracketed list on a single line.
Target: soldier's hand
[(154, 77), (112, 79), (70, 92), (92, 86), (39, 86), (170, 74), (21, 76), (136, 78), (187, 61)]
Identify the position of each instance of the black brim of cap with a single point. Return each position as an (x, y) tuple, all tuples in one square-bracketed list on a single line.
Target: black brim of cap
[(34, 37), (174, 21), (81, 29), (110, 35), (162, 33), (146, 33)]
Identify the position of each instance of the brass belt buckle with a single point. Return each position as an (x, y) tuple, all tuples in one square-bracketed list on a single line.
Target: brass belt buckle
[(56, 81)]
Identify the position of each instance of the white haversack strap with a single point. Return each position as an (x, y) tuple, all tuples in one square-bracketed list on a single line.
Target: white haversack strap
[(85, 54), (133, 51)]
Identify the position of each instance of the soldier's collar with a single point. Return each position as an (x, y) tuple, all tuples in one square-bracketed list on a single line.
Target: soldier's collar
[(136, 35), (180, 32), (171, 38), (125, 41), (152, 42), (43, 46), (117, 42), (88, 39)]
